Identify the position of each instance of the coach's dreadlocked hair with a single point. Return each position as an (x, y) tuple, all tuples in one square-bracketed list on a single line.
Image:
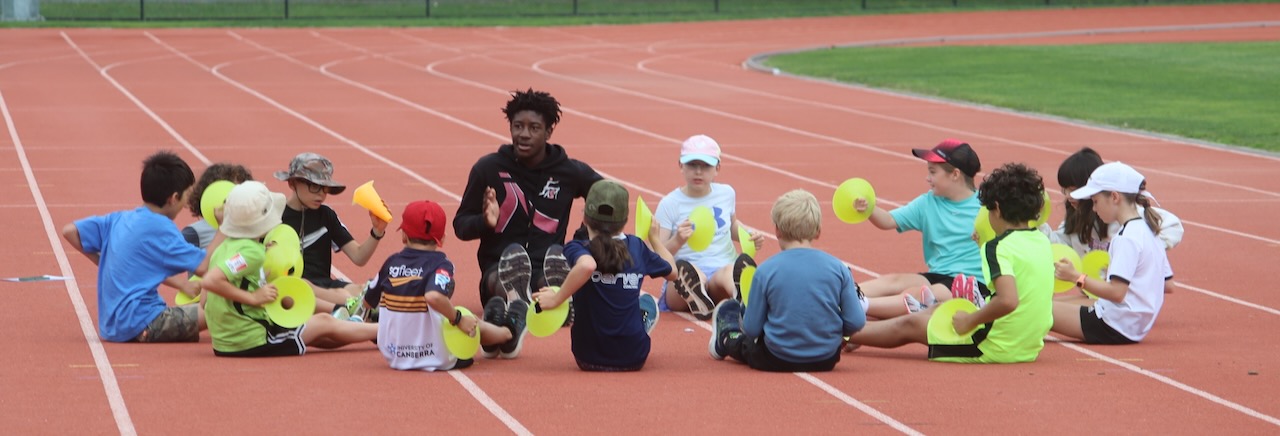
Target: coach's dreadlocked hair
[(1015, 189), (540, 102), (1080, 220), (220, 171)]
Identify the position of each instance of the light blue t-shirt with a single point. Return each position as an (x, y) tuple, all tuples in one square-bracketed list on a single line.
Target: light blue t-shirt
[(804, 301), (137, 249), (675, 209), (947, 228)]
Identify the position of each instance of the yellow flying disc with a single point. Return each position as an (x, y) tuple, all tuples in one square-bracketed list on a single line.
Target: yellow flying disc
[(748, 275), (545, 322), (644, 219), (182, 299), (368, 198), (1094, 264), (1063, 251), (214, 195), (298, 296), (462, 345), (704, 228), (848, 192), (941, 328), (744, 240), (982, 226), (1045, 210)]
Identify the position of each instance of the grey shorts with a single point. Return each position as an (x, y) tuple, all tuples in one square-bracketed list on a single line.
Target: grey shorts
[(175, 324)]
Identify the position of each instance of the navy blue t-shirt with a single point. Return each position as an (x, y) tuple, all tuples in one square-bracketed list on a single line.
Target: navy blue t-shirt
[(607, 327)]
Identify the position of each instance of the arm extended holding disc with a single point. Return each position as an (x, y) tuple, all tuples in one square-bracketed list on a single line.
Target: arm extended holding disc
[(215, 281), (549, 298)]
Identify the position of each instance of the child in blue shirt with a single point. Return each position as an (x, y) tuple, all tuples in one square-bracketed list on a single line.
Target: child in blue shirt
[(802, 300), (137, 250), (610, 332)]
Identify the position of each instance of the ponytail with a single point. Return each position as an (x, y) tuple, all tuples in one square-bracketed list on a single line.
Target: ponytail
[(611, 254), (1149, 213)]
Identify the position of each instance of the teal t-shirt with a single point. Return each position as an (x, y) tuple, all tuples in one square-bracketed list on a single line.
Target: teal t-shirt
[(241, 261), (947, 228), (1025, 255)]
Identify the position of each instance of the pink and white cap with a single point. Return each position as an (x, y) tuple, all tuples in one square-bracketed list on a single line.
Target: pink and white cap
[(700, 147)]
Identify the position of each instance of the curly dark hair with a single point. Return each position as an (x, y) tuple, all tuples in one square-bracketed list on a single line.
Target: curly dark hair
[(1014, 188), (539, 102), (220, 171)]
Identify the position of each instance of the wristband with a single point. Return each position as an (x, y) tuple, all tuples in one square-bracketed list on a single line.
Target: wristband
[(457, 316), (1080, 281), (375, 235)]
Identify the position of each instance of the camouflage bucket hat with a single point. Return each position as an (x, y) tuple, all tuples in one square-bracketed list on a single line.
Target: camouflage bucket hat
[(313, 168)]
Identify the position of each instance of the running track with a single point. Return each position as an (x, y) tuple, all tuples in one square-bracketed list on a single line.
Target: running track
[(414, 108)]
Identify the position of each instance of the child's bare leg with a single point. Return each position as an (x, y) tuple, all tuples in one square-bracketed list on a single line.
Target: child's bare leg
[(892, 284), (1066, 320), (720, 287), (332, 295), (493, 334), (353, 289), (325, 331), (893, 333), (893, 306)]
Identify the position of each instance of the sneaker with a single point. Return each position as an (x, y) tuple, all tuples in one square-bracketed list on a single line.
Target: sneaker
[(648, 311), (727, 321), (516, 312), (340, 312), (690, 287), (355, 307), (495, 312), (966, 287), (913, 305), (927, 299), (741, 263), (555, 268), (514, 272)]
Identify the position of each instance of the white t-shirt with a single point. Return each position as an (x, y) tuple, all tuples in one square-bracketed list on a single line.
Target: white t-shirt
[(675, 208), (1139, 257)]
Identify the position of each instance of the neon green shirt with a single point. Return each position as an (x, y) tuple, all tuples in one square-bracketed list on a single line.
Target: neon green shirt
[(235, 330), (1025, 255)]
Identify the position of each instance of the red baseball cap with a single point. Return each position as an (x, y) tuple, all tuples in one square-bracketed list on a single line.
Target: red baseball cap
[(424, 220), (954, 152)]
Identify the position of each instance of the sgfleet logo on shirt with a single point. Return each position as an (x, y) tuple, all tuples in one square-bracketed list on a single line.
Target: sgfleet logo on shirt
[(398, 275), (629, 280)]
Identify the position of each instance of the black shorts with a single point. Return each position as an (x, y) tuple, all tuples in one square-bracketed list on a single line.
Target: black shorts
[(280, 342), (1096, 331), (945, 280), (328, 283)]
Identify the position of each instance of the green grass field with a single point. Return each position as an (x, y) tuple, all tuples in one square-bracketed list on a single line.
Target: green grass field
[(1221, 92)]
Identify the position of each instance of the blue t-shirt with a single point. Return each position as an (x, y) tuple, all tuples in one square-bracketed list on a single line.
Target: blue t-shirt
[(137, 249), (607, 327), (804, 301), (947, 228)]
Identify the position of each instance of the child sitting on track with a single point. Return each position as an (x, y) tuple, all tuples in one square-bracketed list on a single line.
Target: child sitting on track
[(137, 250), (611, 331), (1131, 297), (801, 301), (237, 321), (412, 291)]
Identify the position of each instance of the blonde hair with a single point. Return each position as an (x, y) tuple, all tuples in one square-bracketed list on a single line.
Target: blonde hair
[(797, 216)]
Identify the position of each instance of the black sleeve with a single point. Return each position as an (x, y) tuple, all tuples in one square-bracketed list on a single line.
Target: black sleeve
[(338, 233), (468, 223)]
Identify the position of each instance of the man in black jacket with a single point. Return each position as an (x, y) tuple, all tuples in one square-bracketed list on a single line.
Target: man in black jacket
[(522, 194)]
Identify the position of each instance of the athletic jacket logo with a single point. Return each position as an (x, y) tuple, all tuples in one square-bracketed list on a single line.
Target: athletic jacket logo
[(551, 189)]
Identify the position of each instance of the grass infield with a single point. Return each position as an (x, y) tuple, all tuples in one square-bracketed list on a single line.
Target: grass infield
[(1221, 92)]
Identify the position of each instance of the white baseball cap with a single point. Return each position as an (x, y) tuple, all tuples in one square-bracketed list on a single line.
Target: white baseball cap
[(1115, 177), (700, 147), (251, 210)]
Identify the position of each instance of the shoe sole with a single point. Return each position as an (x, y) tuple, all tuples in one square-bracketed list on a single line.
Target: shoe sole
[(689, 286), (555, 267), (515, 271)]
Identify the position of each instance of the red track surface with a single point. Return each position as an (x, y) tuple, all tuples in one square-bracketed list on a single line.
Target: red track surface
[(414, 108)]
